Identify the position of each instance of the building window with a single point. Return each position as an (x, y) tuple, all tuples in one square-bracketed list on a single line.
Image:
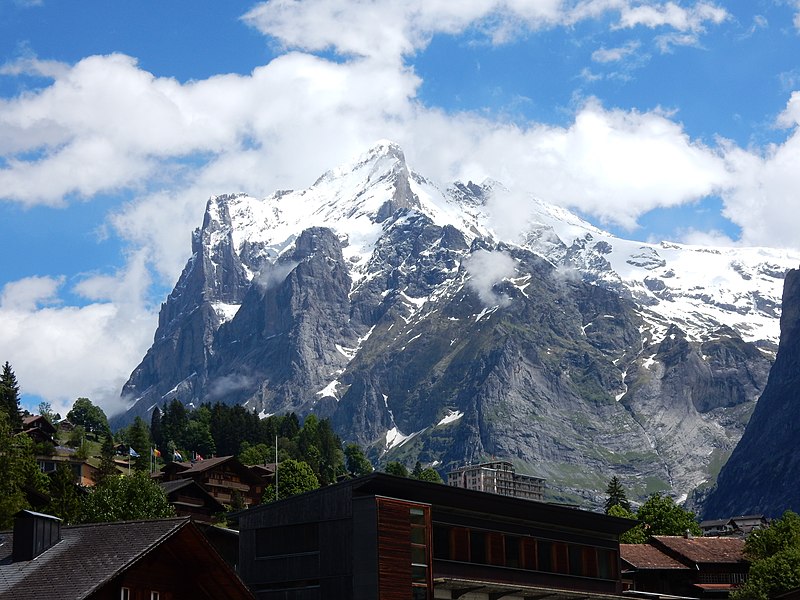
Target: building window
[(125, 594), (460, 544), (155, 596)]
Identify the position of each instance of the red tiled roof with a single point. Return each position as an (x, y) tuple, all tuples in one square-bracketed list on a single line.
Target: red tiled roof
[(704, 549), (645, 556)]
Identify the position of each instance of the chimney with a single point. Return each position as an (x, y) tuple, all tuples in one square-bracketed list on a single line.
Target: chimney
[(688, 535), (33, 534)]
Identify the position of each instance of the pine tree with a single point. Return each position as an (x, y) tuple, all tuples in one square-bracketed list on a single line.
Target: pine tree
[(107, 466), (616, 495), (9, 396), (156, 431), (65, 501), (139, 440)]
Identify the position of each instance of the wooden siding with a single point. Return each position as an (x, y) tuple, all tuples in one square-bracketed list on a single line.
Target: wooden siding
[(394, 549)]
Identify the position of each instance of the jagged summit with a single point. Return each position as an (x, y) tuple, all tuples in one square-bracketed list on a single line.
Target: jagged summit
[(396, 307)]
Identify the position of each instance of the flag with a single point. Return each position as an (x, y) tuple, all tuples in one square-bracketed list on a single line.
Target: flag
[(133, 453), (197, 456), (156, 452), (177, 456)]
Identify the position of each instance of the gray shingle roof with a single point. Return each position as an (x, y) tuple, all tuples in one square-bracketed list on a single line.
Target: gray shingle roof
[(86, 557)]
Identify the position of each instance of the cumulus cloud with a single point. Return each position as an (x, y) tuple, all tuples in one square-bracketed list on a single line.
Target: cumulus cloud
[(105, 124), (63, 352), (486, 269)]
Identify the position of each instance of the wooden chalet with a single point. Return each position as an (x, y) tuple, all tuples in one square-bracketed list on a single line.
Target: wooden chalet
[(38, 429), (220, 476), (696, 567), (190, 500), (381, 537), (165, 559)]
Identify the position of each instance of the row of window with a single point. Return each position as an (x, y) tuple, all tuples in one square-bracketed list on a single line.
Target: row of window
[(522, 552)]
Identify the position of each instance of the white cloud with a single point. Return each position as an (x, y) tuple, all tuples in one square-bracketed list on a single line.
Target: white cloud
[(63, 352), (486, 269), (606, 55), (104, 124)]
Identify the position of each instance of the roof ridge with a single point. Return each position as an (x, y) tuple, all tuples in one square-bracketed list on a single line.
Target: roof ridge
[(131, 522)]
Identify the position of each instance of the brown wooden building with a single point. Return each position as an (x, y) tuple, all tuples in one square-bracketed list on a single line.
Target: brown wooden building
[(222, 477), (697, 567), (165, 559), (190, 500), (381, 537)]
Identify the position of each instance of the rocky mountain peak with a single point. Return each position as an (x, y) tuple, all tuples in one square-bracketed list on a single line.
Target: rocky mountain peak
[(392, 305)]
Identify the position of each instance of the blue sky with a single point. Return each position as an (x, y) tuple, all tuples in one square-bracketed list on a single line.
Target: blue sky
[(657, 120)]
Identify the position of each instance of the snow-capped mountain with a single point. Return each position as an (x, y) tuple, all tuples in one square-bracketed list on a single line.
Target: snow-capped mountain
[(394, 306)]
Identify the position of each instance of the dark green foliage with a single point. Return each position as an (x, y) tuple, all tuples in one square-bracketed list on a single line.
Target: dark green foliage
[(86, 414), (174, 420), (661, 516), (294, 477), (18, 472), (616, 495), (258, 454), (636, 535), (429, 474), (107, 467), (46, 410), (139, 440), (357, 463), (396, 468), (126, 498), (197, 438), (9, 396), (157, 431), (775, 552), (65, 500)]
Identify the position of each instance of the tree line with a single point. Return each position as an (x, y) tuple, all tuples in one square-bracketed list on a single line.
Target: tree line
[(309, 455)]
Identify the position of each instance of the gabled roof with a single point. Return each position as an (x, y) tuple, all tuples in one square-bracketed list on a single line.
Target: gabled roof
[(191, 469), (38, 421), (646, 557), (90, 556), (703, 550)]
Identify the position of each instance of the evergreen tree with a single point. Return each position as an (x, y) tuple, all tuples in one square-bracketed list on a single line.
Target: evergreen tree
[(65, 501), (357, 463), (9, 397), (139, 441), (156, 431), (18, 472), (107, 466), (174, 420), (197, 438), (616, 495)]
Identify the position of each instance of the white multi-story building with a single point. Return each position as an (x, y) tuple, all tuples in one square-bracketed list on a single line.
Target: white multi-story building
[(497, 477)]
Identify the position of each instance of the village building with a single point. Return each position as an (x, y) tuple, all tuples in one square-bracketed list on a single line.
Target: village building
[(498, 477), (223, 477), (381, 537), (165, 559), (695, 567)]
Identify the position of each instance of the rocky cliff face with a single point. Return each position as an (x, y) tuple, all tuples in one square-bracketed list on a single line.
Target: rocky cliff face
[(394, 308), (762, 473)]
